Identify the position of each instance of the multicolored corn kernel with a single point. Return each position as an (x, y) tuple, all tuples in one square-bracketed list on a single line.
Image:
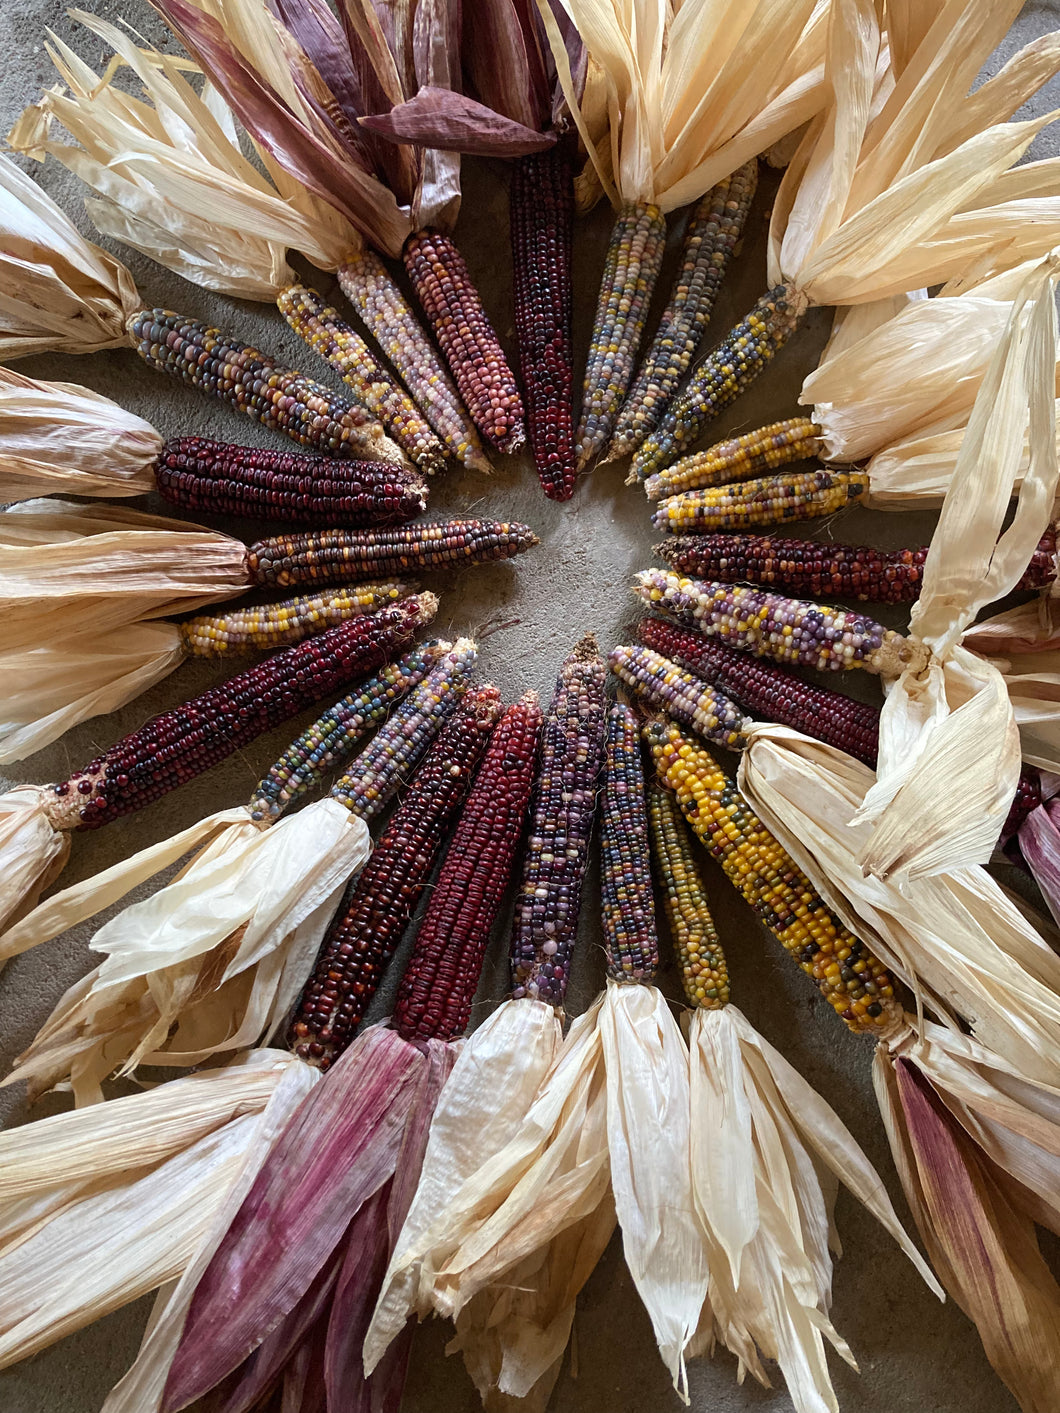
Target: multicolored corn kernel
[(366, 283), (634, 258), (631, 944), (846, 973), (736, 459), (256, 384), (770, 692), (328, 334), (218, 478), (722, 377), (362, 939), (180, 744), (715, 229), (541, 206), (461, 325), (331, 738), (795, 495), (769, 625), (395, 751), (548, 901), (335, 556), (685, 698), (1028, 797), (436, 992), (275, 625), (704, 971)]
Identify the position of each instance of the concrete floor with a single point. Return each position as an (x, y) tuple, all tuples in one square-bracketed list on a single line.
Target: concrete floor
[(914, 1355)]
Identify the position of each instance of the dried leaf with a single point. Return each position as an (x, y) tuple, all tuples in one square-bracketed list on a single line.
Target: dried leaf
[(439, 118)]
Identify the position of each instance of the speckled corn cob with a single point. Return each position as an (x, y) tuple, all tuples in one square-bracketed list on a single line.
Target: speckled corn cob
[(847, 975), (366, 283), (217, 478), (541, 207), (769, 625), (330, 556), (332, 737), (722, 377), (684, 697), (704, 972), (768, 691), (634, 258), (737, 459), (436, 991), (362, 939), (796, 495), (714, 231), (467, 338), (182, 743), (256, 384), (275, 625), (327, 333), (547, 904), (627, 907), (393, 754)]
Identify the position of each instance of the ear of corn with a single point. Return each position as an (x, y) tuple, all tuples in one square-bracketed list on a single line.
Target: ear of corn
[(715, 228), (436, 991), (628, 909), (461, 325), (541, 207), (853, 982), (275, 625), (795, 495), (362, 939), (336, 556), (704, 972), (722, 377), (634, 258), (687, 699), (737, 459)]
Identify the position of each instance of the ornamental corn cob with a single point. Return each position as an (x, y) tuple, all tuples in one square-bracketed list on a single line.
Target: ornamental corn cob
[(330, 556), (461, 325), (553, 868), (541, 207), (684, 697), (700, 955), (362, 939), (275, 625), (715, 228), (434, 999), (736, 459), (217, 478), (722, 376), (180, 744), (387, 314), (815, 569), (846, 973), (634, 258), (329, 335), (795, 495), (627, 907)]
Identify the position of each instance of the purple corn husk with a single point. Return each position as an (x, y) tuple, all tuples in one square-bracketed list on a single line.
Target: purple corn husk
[(1039, 843)]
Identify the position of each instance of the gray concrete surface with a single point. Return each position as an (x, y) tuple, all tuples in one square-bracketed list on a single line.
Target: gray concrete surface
[(914, 1355)]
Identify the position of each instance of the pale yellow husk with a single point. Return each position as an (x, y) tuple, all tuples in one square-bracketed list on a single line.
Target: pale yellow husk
[(210, 963), (100, 1206), (1023, 644), (32, 851)]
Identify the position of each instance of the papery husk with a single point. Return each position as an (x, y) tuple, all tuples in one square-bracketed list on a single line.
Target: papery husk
[(1023, 644), (98, 1207), (1039, 846), (33, 852), (209, 963)]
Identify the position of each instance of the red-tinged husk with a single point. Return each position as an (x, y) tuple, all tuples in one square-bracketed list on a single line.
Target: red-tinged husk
[(1039, 844), (452, 122)]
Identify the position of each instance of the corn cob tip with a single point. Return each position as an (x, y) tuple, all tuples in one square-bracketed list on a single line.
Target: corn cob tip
[(428, 605), (585, 649)]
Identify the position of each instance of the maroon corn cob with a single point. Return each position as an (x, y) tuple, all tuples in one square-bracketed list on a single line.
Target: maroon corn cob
[(218, 478), (628, 908), (434, 999), (180, 744), (467, 338), (362, 939), (541, 210), (557, 847)]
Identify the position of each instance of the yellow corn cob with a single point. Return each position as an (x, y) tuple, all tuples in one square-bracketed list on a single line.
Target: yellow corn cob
[(771, 500), (736, 459)]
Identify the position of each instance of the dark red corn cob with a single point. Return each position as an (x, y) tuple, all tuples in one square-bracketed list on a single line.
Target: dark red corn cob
[(362, 938), (628, 908), (467, 338), (218, 478), (541, 209), (561, 819), (434, 1000), (178, 745), (342, 556), (1027, 798)]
